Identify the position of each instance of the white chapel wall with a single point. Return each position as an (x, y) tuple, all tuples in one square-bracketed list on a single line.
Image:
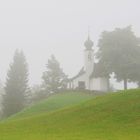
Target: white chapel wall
[(95, 84), (99, 84)]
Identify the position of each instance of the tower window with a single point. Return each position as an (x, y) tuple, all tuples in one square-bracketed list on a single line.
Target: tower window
[(89, 57)]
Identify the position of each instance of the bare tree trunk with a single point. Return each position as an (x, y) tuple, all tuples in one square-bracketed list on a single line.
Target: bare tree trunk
[(108, 85), (139, 84), (125, 83)]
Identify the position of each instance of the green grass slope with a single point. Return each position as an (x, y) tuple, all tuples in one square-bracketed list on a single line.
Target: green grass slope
[(54, 103), (108, 117)]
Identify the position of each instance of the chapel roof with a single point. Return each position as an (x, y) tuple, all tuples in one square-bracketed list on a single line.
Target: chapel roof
[(80, 73), (98, 71)]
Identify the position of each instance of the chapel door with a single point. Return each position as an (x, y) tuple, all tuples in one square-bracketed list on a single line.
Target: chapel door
[(81, 85)]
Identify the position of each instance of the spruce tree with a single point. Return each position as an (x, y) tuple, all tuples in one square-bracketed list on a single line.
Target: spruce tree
[(54, 78), (16, 85)]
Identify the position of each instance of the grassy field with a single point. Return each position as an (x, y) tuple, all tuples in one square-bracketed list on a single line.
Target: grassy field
[(53, 103), (78, 116)]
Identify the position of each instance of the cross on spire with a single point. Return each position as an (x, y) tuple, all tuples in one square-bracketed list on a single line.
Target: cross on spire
[(88, 33)]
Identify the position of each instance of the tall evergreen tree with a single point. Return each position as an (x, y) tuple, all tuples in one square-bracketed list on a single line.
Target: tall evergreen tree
[(54, 78), (16, 85)]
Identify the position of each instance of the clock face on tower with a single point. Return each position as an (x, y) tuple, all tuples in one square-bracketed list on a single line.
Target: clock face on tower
[(89, 56)]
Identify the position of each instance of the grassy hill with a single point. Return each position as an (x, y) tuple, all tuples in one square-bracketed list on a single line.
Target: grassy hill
[(53, 103), (78, 117)]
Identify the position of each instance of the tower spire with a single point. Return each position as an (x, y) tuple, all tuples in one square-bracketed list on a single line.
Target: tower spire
[(88, 33), (89, 43)]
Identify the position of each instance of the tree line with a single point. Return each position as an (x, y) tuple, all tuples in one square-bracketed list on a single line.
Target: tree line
[(17, 91), (119, 53)]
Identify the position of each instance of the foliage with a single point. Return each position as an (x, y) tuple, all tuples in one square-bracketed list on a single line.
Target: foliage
[(54, 78), (16, 85), (1, 95), (119, 52), (37, 94)]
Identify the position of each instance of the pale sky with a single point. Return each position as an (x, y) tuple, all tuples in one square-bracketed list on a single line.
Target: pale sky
[(44, 27)]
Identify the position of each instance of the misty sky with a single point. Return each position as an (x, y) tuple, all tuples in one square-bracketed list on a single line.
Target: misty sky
[(44, 27)]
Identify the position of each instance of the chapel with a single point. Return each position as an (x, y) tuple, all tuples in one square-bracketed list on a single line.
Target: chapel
[(86, 78)]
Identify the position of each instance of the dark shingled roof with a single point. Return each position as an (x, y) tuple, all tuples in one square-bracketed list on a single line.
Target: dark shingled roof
[(95, 72), (81, 72), (98, 72)]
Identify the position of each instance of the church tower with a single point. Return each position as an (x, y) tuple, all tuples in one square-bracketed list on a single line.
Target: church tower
[(89, 61), (85, 78), (89, 56)]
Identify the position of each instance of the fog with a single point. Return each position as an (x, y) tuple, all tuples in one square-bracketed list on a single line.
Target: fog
[(44, 27)]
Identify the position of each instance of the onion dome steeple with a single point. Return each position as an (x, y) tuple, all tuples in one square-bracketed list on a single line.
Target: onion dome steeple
[(88, 43)]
